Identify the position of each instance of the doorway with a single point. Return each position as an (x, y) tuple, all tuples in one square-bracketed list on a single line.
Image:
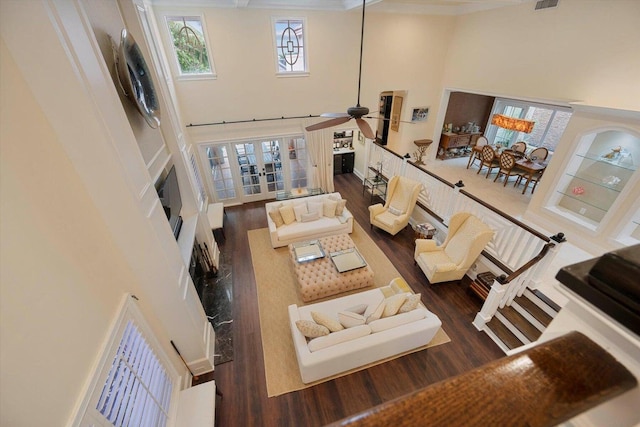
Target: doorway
[(253, 170)]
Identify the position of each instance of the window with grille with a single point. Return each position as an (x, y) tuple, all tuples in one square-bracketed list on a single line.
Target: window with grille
[(290, 44), (188, 38), (135, 383)]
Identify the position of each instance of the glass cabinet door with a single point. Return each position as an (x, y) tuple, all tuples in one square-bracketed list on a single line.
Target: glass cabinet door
[(597, 175)]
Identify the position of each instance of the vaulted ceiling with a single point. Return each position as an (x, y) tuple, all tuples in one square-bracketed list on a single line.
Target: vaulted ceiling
[(436, 7)]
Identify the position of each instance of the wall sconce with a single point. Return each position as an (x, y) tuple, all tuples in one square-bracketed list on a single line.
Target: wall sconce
[(512, 123)]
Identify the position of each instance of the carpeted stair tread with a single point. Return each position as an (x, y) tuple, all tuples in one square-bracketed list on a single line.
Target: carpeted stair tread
[(521, 323), (539, 314), (503, 333)]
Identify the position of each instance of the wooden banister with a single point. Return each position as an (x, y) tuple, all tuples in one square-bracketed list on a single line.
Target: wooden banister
[(542, 386)]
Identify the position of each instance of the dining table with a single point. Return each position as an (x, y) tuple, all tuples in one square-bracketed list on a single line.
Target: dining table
[(531, 168)]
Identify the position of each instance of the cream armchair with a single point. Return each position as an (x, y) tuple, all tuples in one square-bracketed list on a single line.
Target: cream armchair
[(450, 261), (402, 194)]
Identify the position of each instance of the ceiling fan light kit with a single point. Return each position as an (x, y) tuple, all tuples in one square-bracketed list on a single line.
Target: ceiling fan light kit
[(356, 112)]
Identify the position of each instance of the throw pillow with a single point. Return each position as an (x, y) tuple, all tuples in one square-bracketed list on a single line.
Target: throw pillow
[(310, 216), (340, 206), (288, 215), (299, 210), (326, 320), (350, 319), (394, 211), (376, 313), (399, 286), (339, 337), (276, 217), (410, 303), (311, 329), (359, 309), (393, 304), (315, 206), (329, 208)]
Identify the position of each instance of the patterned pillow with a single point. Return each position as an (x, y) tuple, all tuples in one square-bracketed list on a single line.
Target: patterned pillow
[(288, 215), (311, 329), (326, 320), (340, 206), (410, 303), (276, 218), (393, 304)]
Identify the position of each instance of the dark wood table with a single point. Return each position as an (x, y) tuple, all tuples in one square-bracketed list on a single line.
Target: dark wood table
[(531, 168)]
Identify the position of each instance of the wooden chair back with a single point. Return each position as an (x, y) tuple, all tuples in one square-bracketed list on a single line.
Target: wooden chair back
[(539, 153), (519, 146)]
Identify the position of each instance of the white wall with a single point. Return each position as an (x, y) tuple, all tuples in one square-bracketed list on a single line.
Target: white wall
[(81, 221), (582, 51), (401, 52), (62, 276)]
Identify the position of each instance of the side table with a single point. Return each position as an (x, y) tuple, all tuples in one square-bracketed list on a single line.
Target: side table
[(425, 231)]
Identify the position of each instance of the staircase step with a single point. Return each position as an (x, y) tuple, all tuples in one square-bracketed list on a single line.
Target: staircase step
[(546, 300), (504, 334), (521, 323), (539, 314)]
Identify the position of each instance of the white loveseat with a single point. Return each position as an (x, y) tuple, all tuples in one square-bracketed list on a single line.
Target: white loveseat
[(301, 229), (360, 345)]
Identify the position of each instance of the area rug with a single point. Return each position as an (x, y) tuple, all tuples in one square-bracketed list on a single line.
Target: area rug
[(276, 286)]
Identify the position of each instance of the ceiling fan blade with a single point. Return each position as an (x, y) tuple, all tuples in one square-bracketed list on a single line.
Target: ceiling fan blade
[(329, 123), (365, 128), (334, 115)]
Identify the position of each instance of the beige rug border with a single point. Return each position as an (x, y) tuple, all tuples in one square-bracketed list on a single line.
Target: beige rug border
[(271, 268)]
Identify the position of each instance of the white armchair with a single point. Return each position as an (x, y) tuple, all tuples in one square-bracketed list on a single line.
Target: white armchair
[(450, 261), (394, 215)]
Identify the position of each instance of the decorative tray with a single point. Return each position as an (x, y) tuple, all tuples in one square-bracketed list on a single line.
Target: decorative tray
[(347, 260), (308, 251)]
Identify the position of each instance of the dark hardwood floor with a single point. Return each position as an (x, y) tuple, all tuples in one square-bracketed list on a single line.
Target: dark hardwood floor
[(242, 380)]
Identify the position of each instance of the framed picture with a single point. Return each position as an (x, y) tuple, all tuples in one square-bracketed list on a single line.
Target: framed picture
[(360, 137), (420, 114)]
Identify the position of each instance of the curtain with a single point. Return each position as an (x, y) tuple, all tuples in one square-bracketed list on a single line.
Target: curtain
[(320, 149)]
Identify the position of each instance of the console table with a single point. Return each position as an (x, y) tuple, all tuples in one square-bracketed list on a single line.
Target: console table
[(458, 141)]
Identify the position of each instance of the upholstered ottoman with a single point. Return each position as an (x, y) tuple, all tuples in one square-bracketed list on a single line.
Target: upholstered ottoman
[(320, 278)]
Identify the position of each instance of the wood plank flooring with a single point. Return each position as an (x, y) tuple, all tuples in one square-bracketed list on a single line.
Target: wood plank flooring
[(242, 381)]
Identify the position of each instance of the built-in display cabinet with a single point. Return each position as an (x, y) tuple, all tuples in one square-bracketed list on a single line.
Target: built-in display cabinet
[(597, 174)]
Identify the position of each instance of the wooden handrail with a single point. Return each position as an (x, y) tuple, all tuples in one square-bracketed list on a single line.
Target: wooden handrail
[(533, 261), (542, 386)]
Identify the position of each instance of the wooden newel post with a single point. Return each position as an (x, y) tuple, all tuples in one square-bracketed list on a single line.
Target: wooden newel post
[(491, 304)]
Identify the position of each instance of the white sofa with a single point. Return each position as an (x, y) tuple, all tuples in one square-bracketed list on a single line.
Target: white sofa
[(363, 344), (299, 231)]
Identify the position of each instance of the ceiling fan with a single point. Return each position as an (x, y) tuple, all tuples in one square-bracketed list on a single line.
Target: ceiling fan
[(356, 112)]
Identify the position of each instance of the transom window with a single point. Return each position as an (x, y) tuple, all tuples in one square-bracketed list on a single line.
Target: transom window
[(290, 45), (189, 45)]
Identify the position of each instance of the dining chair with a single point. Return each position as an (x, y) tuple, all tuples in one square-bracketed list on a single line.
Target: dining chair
[(508, 167), (488, 159), (535, 178), (519, 146), (476, 150), (539, 153)]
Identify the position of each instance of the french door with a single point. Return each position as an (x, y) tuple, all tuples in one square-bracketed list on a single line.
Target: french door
[(260, 166), (252, 170)]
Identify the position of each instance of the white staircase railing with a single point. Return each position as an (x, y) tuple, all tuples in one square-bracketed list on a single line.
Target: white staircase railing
[(517, 249)]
